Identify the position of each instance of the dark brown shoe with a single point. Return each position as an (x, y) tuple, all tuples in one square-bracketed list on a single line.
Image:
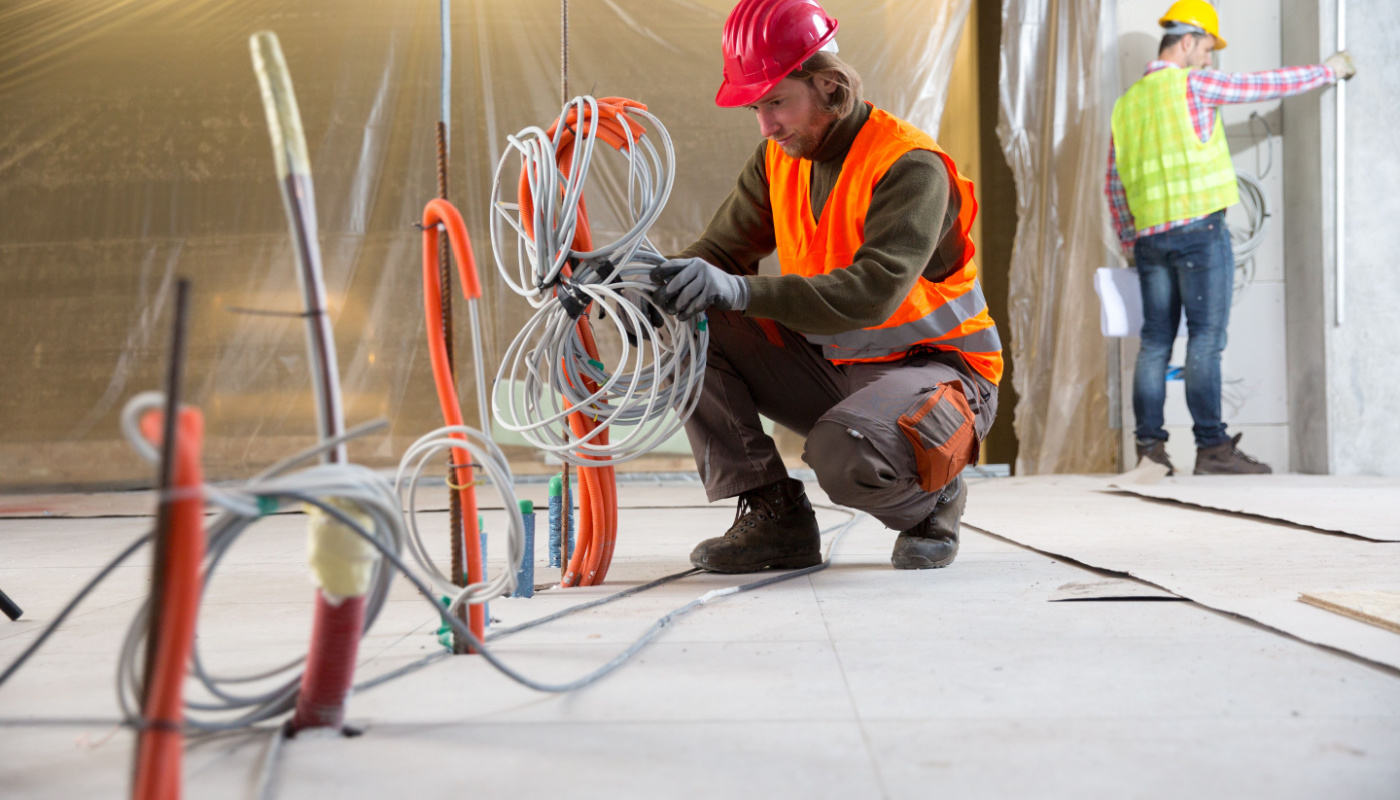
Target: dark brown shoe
[(1226, 459), (774, 527), (933, 543), (1156, 451)]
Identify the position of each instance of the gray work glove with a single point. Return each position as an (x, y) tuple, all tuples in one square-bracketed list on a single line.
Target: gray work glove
[(1341, 63), (688, 286)]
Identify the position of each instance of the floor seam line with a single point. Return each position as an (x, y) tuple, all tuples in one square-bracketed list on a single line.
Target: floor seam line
[(850, 697)]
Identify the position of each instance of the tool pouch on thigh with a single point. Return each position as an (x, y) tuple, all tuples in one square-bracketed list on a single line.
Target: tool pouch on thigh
[(939, 426)]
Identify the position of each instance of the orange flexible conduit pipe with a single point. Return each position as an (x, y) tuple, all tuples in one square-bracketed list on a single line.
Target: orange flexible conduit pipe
[(597, 531), (159, 761), (437, 212)]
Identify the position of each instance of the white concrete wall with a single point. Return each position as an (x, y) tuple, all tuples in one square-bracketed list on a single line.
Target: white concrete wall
[(1344, 381), (1254, 366)]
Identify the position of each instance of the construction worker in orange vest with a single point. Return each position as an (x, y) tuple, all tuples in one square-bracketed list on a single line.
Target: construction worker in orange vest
[(874, 342)]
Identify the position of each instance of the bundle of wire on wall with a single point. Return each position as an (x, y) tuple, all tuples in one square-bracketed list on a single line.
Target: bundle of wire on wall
[(352, 490), (1247, 238)]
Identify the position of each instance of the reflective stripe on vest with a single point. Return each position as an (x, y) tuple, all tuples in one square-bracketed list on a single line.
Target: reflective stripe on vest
[(878, 343), (1168, 173), (951, 314)]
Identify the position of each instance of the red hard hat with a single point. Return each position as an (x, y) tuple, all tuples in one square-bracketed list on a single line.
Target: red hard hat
[(764, 40)]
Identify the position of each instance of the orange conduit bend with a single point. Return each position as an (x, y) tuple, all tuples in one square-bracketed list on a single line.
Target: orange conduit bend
[(160, 750), (442, 212), (475, 446)]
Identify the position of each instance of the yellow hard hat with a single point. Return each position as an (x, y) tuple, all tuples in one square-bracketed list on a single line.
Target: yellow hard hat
[(1197, 13)]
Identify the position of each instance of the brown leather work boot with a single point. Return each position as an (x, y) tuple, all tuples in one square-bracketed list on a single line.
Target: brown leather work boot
[(774, 526), (1226, 459), (1156, 450), (934, 542)]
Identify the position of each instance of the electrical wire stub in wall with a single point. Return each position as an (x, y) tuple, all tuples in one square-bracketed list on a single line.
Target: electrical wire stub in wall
[(553, 368)]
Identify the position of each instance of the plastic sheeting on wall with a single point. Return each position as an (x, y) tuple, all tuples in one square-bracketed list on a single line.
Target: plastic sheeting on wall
[(133, 149), (1057, 92)]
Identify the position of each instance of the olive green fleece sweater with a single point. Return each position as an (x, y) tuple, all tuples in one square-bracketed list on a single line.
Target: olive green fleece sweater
[(912, 211)]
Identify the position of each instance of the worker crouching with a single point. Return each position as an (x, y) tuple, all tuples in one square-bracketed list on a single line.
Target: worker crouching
[(874, 342)]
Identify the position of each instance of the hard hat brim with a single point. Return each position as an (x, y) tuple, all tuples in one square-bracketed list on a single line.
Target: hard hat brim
[(1220, 43), (733, 96)]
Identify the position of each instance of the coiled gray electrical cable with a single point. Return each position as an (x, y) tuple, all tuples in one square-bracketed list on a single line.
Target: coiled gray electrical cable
[(319, 486), (485, 455), (229, 707), (546, 372), (322, 486), (542, 256), (1247, 238)]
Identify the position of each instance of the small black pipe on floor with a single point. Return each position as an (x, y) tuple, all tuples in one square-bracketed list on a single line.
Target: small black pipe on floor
[(11, 609)]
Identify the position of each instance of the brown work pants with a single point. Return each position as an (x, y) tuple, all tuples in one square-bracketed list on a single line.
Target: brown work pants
[(862, 421)]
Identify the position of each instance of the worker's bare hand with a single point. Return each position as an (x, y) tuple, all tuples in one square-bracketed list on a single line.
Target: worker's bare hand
[(688, 286), (1341, 63)]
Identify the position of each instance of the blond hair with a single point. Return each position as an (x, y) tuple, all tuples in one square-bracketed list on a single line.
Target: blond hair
[(848, 89)]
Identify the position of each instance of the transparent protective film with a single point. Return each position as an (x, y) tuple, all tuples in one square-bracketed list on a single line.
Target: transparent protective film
[(134, 149), (1058, 82)]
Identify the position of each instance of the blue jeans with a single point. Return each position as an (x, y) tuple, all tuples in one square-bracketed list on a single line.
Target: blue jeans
[(1191, 268)]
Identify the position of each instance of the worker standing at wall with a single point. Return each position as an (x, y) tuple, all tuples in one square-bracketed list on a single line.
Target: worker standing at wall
[(874, 342), (1170, 180)]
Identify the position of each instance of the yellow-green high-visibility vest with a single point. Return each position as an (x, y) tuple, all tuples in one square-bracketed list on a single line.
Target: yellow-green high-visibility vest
[(1168, 173)]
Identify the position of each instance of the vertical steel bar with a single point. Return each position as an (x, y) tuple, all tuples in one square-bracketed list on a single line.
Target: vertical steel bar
[(564, 526), (563, 53), (174, 379), (455, 524)]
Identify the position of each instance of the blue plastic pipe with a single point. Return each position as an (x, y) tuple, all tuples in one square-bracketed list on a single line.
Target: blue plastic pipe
[(557, 508), (525, 576)]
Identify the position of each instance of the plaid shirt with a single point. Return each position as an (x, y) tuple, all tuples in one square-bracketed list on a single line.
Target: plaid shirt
[(1205, 90)]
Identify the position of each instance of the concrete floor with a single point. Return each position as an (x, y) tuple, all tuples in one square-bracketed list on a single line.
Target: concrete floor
[(859, 681)]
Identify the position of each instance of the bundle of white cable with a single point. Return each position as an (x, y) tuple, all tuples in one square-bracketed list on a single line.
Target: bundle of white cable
[(1246, 239), (231, 703), (484, 455), (546, 372), (541, 257)]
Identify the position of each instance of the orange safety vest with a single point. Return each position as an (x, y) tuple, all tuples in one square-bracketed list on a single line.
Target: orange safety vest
[(948, 315)]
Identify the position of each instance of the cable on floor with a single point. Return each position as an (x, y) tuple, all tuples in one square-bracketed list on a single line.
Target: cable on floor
[(651, 633)]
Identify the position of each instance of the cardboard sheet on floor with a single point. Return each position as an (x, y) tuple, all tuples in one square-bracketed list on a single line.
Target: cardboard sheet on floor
[(1361, 506), (1377, 608), (1243, 566), (1109, 589)]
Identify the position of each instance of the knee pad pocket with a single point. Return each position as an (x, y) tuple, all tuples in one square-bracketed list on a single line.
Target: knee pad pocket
[(939, 426)]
